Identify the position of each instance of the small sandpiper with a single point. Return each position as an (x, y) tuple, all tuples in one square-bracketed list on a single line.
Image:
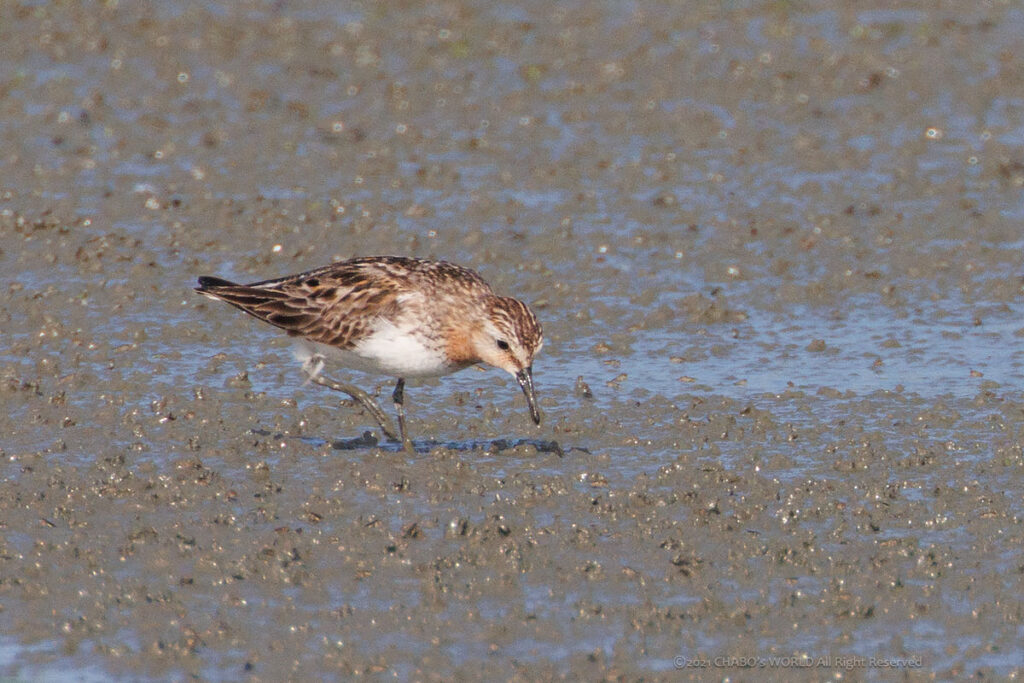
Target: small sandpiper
[(393, 315)]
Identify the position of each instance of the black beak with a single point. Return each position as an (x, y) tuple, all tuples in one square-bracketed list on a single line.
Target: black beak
[(525, 377)]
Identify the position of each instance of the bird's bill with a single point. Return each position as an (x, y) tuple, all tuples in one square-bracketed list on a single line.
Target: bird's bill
[(525, 377)]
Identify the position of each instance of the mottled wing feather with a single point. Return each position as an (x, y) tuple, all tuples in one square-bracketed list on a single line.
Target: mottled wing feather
[(330, 304), (273, 306), (401, 271), (327, 305), (344, 315)]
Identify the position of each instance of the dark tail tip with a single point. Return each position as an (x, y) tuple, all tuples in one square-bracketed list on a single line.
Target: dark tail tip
[(209, 282)]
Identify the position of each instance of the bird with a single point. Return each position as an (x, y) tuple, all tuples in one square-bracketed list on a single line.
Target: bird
[(398, 316)]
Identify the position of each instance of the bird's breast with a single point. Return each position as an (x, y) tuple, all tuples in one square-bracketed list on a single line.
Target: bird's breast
[(391, 350)]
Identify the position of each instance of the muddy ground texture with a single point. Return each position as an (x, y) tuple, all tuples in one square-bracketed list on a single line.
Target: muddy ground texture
[(777, 253)]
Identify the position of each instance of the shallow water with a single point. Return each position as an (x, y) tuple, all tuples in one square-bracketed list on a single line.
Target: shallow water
[(780, 246)]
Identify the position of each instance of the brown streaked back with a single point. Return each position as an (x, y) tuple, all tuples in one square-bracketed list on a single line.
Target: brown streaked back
[(338, 304), (320, 309)]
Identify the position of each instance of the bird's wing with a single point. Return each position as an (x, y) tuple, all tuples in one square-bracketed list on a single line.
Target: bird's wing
[(336, 305)]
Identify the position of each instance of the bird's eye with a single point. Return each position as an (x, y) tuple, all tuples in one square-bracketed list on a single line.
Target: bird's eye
[(503, 345)]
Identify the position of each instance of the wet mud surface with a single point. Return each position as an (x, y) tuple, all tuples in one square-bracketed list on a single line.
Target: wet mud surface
[(777, 252)]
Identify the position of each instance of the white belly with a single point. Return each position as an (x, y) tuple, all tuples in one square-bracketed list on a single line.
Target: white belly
[(388, 352)]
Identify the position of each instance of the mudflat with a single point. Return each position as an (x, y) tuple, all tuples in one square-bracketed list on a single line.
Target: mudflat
[(776, 250)]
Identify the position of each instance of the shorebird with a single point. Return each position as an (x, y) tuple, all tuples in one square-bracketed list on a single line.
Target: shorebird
[(393, 315)]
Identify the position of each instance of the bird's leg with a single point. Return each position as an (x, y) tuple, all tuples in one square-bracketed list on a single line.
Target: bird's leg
[(313, 367), (399, 399), (364, 399)]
